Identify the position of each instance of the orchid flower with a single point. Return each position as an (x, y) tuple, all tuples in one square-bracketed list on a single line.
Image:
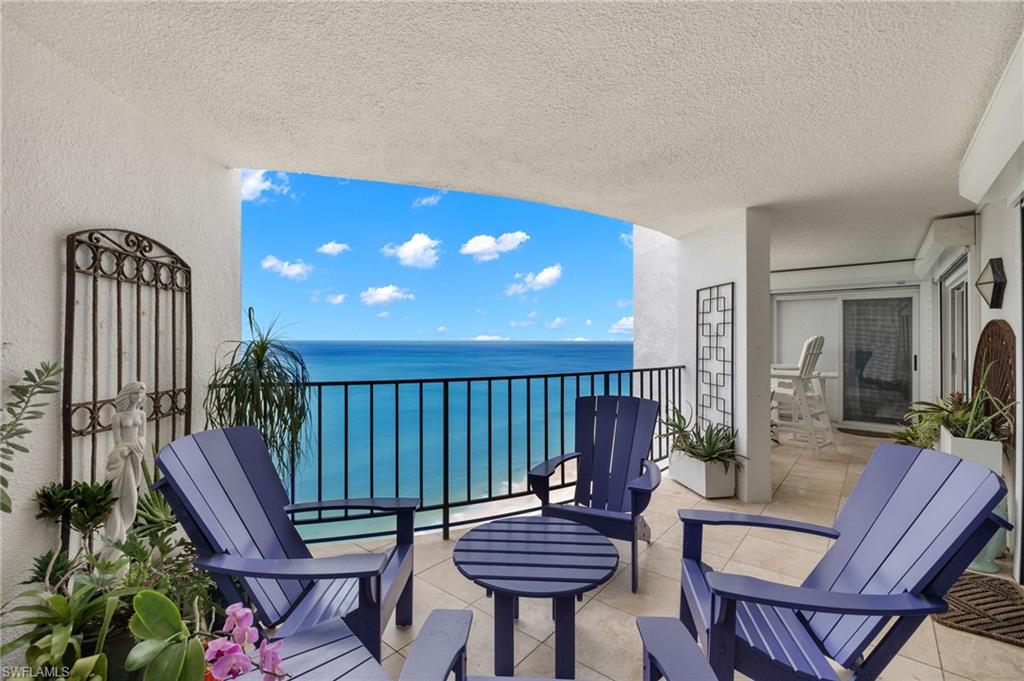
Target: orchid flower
[(270, 660), (228, 658)]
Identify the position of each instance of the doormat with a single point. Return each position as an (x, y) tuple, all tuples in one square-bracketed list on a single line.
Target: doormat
[(987, 606), (865, 433)]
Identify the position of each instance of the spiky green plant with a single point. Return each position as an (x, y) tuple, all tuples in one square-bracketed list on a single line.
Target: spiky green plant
[(262, 383), (707, 442), (25, 406)]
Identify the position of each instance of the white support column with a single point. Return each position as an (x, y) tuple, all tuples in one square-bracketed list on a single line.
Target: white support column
[(667, 273)]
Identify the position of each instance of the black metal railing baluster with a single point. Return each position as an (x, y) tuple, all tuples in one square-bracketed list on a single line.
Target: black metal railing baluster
[(490, 440), (547, 449), (345, 452), (469, 440), (529, 427), (510, 436), (561, 422), (320, 448), (372, 457), (398, 457), (421, 445), (446, 508)]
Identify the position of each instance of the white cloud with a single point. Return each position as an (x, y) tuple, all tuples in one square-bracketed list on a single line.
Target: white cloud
[(333, 248), (480, 310), (526, 322), (623, 303), (385, 295), (576, 339), (488, 338), (419, 251), (428, 200), (484, 247), (383, 313), (256, 182), (548, 276), (291, 270), (442, 329), (627, 239), (336, 298), (556, 322), (589, 322), (532, 314), (623, 327)]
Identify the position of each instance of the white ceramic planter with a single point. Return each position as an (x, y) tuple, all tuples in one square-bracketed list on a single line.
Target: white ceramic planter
[(988, 453), (706, 479)]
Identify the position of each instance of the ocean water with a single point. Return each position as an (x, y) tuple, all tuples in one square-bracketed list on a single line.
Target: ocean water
[(388, 439)]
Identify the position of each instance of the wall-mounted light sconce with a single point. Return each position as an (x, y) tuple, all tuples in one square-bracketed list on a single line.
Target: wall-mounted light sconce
[(992, 282)]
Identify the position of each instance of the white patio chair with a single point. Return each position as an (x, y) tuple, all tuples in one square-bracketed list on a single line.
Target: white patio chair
[(798, 399)]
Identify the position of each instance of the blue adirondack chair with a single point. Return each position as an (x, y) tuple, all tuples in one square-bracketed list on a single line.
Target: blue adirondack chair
[(913, 523), (230, 501), (614, 478)]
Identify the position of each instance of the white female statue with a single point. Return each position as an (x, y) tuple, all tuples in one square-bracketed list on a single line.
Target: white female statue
[(124, 463)]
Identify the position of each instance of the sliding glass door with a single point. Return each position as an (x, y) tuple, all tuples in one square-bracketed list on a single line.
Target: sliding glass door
[(878, 358)]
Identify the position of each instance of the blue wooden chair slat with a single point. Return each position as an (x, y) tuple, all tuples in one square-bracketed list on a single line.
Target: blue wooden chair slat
[(623, 468), (224, 532), (913, 522), (223, 486), (614, 478), (606, 419), (259, 470)]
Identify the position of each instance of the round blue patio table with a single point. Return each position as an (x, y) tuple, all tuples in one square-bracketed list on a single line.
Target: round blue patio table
[(535, 557)]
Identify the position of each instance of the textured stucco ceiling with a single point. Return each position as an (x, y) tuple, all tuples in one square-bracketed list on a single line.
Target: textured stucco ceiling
[(848, 119)]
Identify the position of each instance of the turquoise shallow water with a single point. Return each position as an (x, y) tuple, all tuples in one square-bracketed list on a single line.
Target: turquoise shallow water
[(486, 455)]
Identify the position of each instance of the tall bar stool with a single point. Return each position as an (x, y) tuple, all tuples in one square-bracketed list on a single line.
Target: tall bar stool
[(798, 400)]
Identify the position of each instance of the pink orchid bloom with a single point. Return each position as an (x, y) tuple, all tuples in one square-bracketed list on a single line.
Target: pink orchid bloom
[(238, 617), (245, 637), (228, 658), (270, 660)]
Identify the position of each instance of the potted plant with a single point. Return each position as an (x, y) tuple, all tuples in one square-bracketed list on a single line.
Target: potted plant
[(972, 428), (703, 455), (262, 384)]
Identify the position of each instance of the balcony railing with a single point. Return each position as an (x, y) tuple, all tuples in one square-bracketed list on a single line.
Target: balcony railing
[(459, 444)]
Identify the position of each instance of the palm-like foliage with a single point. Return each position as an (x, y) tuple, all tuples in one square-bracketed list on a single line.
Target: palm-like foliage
[(24, 407), (707, 442), (262, 384)]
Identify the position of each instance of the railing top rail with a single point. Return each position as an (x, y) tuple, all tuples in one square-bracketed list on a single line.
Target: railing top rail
[(464, 379)]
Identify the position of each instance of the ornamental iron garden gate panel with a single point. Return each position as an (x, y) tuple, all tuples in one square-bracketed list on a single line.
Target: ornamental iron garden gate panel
[(715, 354), (127, 317)]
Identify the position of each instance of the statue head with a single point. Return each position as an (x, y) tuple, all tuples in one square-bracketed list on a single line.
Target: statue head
[(130, 397)]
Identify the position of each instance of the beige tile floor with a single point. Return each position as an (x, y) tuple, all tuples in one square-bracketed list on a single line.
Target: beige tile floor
[(806, 488)]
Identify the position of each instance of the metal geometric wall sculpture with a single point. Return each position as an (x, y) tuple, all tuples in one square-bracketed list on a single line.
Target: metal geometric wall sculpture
[(127, 317), (715, 354)]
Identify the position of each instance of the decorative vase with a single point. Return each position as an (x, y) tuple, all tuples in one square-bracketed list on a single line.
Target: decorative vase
[(710, 480)]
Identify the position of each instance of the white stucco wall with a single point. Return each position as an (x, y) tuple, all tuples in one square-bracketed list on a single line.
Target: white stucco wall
[(667, 272), (75, 157)]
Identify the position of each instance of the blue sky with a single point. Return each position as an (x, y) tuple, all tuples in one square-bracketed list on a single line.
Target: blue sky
[(337, 259)]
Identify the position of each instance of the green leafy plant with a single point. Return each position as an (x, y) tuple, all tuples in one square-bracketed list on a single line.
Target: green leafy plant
[(59, 622), (982, 416), (707, 442), (25, 406), (166, 648), (262, 384), (49, 568), (90, 504)]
